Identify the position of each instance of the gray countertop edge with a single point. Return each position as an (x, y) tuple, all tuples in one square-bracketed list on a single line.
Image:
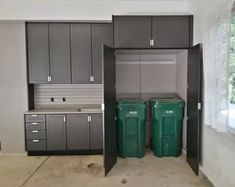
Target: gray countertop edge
[(41, 111)]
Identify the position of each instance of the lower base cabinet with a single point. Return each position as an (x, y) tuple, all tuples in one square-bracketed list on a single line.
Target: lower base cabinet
[(78, 136), (56, 132), (69, 132)]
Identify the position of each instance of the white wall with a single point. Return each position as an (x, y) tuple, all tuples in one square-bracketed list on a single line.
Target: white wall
[(85, 9), (13, 94), (218, 148)]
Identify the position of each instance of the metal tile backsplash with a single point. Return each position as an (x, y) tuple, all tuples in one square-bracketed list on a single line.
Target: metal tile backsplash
[(74, 94)]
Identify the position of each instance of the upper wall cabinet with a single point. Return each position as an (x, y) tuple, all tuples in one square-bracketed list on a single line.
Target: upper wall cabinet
[(160, 32), (132, 31), (171, 31), (59, 35), (38, 52), (101, 34), (81, 53), (61, 53)]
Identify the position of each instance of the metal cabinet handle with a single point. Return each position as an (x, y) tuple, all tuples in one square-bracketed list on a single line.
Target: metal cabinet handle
[(64, 119), (35, 131), (49, 78), (34, 123), (34, 115), (35, 141)]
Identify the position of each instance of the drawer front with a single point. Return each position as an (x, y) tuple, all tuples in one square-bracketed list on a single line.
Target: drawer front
[(35, 118), (36, 145), (35, 126), (35, 134)]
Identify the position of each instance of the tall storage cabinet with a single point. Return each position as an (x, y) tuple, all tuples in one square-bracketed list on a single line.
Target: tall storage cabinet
[(38, 52)]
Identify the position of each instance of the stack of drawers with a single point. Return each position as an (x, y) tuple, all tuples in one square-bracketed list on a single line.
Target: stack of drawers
[(35, 126)]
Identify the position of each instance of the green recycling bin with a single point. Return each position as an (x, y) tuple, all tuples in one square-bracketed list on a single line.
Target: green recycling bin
[(167, 120), (131, 128)]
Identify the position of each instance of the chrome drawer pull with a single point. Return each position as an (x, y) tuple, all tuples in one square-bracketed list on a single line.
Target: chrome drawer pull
[(35, 123), (35, 131), (35, 141), (34, 115)]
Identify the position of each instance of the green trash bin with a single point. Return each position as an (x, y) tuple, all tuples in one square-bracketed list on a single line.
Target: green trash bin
[(167, 119), (131, 128)]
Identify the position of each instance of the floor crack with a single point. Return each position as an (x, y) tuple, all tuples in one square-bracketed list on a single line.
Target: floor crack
[(34, 172)]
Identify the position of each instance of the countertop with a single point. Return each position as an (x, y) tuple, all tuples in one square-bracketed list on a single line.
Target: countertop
[(85, 109)]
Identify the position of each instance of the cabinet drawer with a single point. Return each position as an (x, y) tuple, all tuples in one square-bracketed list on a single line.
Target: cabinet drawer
[(36, 145), (35, 118), (35, 134), (35, 126)]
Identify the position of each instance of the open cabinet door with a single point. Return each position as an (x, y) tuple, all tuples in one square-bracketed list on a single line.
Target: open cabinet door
[(109, 93), (194, 107)]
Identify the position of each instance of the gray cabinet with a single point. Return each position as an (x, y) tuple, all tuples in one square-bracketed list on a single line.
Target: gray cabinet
[(35, 133), (38, 52), (81, 53), (132, 31), (56, 132), (101, 34), (78, 136), (96, 131), (171, 31), (160, 32), (59, 35)]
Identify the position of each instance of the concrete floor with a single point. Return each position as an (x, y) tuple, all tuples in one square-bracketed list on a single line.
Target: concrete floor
[(87, 171)]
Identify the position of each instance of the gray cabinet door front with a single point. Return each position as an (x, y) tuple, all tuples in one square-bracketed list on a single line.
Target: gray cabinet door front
[(96, 131), (171, 31), (132, 31), (81, 53), (56, 132), (101, 34), (59, 35), (38, 52), (78, 137)]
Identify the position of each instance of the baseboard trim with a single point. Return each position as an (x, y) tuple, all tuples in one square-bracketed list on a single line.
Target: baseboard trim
[(203, 176)]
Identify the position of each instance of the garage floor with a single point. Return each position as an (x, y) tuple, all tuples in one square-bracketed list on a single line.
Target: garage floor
[(87, 171)]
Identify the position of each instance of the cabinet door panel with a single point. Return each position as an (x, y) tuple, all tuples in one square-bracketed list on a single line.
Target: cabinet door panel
[(78, 132), (96, 131), (101, 34), (56, 132), (81, 53), (171, 31), (132, 31), (38, 52), (59, 35)]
